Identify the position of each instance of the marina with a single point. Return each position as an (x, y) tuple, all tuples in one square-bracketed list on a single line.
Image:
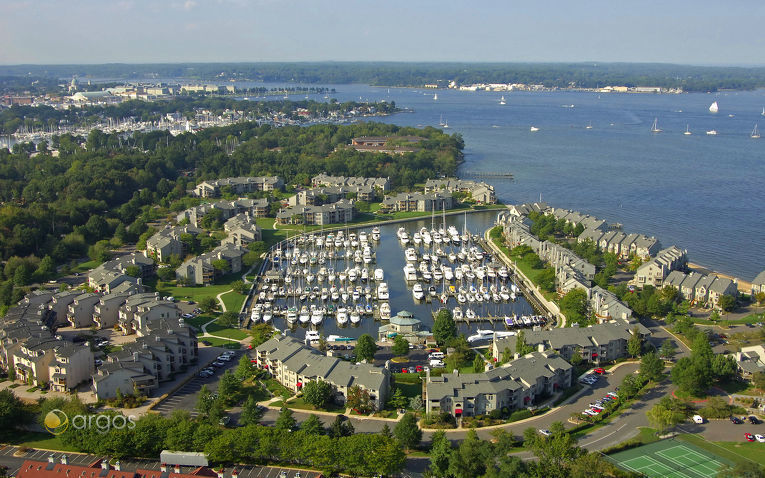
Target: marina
[(348, 282)]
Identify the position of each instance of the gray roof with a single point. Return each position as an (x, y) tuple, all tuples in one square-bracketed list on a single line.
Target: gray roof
[(760, 279)]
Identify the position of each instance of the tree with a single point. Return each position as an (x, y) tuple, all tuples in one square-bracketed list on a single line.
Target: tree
[(317, 393), (444, 328), (400, 346), (312, 426), (724, 367), (727, 302), (758, 379), (742, 469), (221, 266), (238, 287), (760, 298), (666, 414), (286, 420), (440, 454), (690, 377), (11, 412), (635, 343), (359, 400), (398, 400), (251, 412), (667, 349), (204, 401), (386, 431), (208, 304), (133, 271), (229, 319), (323, 345), (366, 348), (652, 367), (407, 432), (415, 403), (470, 457), (46, 269), (574, 306), (341, 428), (478, 364), (521, 347), (228, 388)]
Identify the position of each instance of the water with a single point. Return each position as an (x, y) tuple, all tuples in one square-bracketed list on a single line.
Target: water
[(701, 193), (390, 257)]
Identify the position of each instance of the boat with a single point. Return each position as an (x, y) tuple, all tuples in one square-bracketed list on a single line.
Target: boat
[(655, 126), (763, 111), (410, 254), (382, 291), (457, 314), (441, 120), (755, 133), (355, 317), (446, 124), (470, 314), (417, 292), (714, 108), (410, 273), (291, 315), (435, 97), (687, 131), (385, 311), (379, 274), (712, 132), (589, 125), (342, 316), (317, 316), (502, 101), (533, 129)]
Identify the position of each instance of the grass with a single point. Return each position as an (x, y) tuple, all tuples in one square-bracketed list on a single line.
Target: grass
[(749, 319), (198, 321), (735, 386), (197, 293), (300, 404), (410, 390), (39, 440), (86, 266), (276, 388), (525, 269), (219, 330), (645, 436), (738, 452), (225, 343), (233, 301)]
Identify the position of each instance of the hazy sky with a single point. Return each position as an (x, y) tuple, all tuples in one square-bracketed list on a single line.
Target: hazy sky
[(133, 31)]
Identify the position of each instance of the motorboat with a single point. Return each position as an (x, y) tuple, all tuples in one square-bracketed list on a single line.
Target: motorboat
[(417, 292), (385, 311), (379, 274), (382, 291)]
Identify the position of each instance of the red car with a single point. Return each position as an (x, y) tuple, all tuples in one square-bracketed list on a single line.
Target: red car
[(418, 368), (749, 437), (600, 371), (404, 370)]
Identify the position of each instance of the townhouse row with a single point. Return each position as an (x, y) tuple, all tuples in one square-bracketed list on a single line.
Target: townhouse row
[(518, 384), (238, 185), (204, 268), (330, 194), (407, 202), (228, 209), (293, 365), (655, 271), (604, 342), (701, 290), (481, 192), (338, 212), (382, 184)]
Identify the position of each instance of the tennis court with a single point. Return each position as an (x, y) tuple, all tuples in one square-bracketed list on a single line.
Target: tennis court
[(669, 459)]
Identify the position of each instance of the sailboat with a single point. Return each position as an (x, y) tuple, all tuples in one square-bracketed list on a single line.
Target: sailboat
[(713, 108), (441, 121), (763, 111), (435, 97), (687, 130), (446, 124), (589, 125), (533, 129), (755, 133), (502, 101), (655, 126)]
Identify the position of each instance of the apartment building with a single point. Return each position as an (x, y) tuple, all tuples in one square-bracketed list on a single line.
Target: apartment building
[(404, 202), (242, 229), (336, 213), (481, 192), (239, 185), (200, 270), (657, 269), (80, 311), (228, 209), (167, 242)]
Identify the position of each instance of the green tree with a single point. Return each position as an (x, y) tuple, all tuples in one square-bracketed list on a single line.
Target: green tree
[(574, 306), (652, 367), (244, 369), (469, 459), (11, 412), (415, 403), (407, 432), (312, 426), (742, 469), (238, 287), (221, 266), (341, 428), (576, 358), (317, 393), (758, 379), (521, 347), (251, 413), (398, 399), (400, 346), (635, 343), (229, 319), (479, 365), (208, 304), (366, 348), (204, 401), (359, 400), (133, 271), (760, 298), (727, 302), (228, 388), (444, 328), (724, 367), (667, 349), (286, 420), (666, 414), (440, 454), (46, 269)]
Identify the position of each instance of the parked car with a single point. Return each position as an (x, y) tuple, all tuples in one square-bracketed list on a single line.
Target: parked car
[(612, 394), (736, 420), (698, 419), (749, 437), (596, 410), (544, 432), (412, 370), (404, 370), (218, 364), (753, 420), (760, 438), (600, 371), (204, 374), (418, 368)]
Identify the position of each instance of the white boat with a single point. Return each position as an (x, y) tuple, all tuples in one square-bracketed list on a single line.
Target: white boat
[(470, 314), (342, 316), (410, 273), (382, 291), (763, 111), (533, 129), (457, 314), (355, 317), (417, 292), (317, 316), (304, 317), (655, 127), (385, 311), (755, 133), (712, 132), (714, 108), (502, 101), (435, 97), (291, 315), (411, 255), (379, 274), (267, 316), (589, 125), (446, 124), (687, 130)]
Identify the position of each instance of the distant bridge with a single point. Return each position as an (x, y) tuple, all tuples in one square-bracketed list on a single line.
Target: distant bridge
[(487, 175)]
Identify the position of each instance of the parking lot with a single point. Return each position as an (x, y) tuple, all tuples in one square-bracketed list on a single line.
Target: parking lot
[(13, 463), (186, 397)]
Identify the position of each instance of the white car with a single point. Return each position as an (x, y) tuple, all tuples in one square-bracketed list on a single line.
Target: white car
[(544, 432), (760, 438)]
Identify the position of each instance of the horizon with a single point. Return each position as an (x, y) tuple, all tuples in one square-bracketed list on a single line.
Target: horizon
[(290, 31)]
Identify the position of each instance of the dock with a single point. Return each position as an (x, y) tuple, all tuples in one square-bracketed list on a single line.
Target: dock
[(487, 174)]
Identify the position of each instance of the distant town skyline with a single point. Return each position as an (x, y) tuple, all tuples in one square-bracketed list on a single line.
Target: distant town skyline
[(142, 31)]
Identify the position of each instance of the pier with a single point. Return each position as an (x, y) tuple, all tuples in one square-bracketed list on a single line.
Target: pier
[(487, 175)]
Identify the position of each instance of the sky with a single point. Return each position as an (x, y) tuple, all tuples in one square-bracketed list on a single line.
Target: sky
[(700, 32)]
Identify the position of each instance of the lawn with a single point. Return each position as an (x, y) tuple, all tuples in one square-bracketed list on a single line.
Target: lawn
[(749, 319), (276, 388), (733, 451), (198, 321), (410, 390), (226, 343), (299, 403), (39, 440), (197, 293), (86, 266), (228, 332), (233, 301)]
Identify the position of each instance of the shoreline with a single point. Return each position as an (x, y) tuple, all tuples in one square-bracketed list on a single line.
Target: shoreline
[(742, 285)]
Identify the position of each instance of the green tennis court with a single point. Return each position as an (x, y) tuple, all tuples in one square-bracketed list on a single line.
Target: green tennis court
[(669, 459)]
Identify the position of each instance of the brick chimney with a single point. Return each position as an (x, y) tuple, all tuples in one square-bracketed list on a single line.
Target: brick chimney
[(64, 460), (220, 473), (163, 467), (105, 464), (51, 459), (178, 469), (117, 466), (234, 474)]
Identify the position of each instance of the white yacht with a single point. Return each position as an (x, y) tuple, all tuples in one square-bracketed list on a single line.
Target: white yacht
[(714, 108), (379, 274), (385, 311), (712, 132), (417, 292), (411, 255), (382, 291), (410, 273), (355, 317), (533, 129), (317, 317), (342, 316)]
